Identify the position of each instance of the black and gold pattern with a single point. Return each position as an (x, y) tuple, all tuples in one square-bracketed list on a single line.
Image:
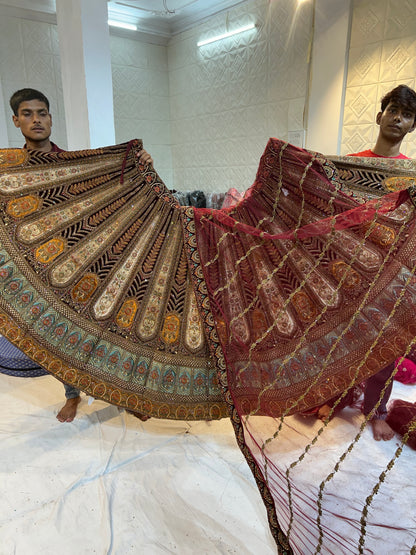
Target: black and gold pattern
[(103, 236)]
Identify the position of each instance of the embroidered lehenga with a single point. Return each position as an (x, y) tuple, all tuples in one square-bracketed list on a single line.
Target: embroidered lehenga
[(257, 311)]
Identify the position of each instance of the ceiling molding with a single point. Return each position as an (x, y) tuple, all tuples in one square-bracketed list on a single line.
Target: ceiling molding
[(183, 23), (141, 35), (156, 29), (23, 13)]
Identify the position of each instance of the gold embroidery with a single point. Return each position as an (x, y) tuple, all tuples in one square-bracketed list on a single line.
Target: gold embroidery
[(381, 234), (170, 330), (12, 157), (50, 250), (86, 286), (194, 336), (341, 271), (399, 183), (126, 313), (259, 323), (304, 306), (23, 206)]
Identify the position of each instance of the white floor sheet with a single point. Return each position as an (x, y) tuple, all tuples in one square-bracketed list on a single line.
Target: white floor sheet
[(108, 483)]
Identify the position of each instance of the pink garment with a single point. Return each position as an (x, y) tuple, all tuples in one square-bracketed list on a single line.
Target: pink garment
[(406, 372)]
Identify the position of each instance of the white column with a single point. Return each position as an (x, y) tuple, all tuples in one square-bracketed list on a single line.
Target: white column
[(328, 75), (4, 136), (84, 44)]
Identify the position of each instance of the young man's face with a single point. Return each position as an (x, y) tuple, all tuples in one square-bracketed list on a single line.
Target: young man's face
[(396, 121), (34, 120)]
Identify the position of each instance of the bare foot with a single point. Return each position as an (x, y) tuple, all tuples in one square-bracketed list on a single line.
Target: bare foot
[(69, 410), (381, 430)]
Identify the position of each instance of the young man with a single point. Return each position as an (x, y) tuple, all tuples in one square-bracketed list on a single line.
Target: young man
[(396, 119), (31, 115)]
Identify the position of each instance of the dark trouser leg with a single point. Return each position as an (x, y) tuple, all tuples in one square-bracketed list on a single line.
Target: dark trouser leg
[(70, 391), (373, 388)]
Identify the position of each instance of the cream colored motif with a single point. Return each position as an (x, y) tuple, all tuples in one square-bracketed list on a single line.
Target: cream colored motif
[(403, 213), (315, 280), (194, 337), (352, 247), (29, 178), (239, 325), (323, 289), (153, 308), (272, 300), (115, 288), (77, 258), (53, 221)]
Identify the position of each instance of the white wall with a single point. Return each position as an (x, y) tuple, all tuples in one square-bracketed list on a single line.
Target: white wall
[(29, 57), (382, 55), (84, 46), (141, 98), (206, 113), (229, 97)]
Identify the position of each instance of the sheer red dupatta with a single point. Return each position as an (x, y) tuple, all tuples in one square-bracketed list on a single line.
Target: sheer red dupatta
[(310, 290)]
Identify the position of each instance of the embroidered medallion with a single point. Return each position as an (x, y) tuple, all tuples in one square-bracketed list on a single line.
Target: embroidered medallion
[(171, 328), (13, 157), (126, 314), (342, 272), (304, 306), (50, 250), (399, 183), (23, 206), (83, 290), (381, 234)]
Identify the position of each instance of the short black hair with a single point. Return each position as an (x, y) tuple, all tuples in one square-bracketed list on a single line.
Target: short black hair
[(403, 95), (24, 95)]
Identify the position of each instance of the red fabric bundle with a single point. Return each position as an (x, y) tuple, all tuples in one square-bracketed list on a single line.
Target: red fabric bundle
[(402, 418)]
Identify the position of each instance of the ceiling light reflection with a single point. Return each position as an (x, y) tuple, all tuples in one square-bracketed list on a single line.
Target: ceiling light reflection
[(122, 25), (225, 35)]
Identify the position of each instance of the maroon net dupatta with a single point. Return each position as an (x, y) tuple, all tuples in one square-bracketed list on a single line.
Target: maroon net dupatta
[(311, 292)]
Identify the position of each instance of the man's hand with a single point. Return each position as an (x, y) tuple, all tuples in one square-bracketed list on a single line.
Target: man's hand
[(144, 157)]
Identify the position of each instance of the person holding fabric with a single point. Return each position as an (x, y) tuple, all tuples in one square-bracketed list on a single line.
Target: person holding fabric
[(31, 115), (396, 119)]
